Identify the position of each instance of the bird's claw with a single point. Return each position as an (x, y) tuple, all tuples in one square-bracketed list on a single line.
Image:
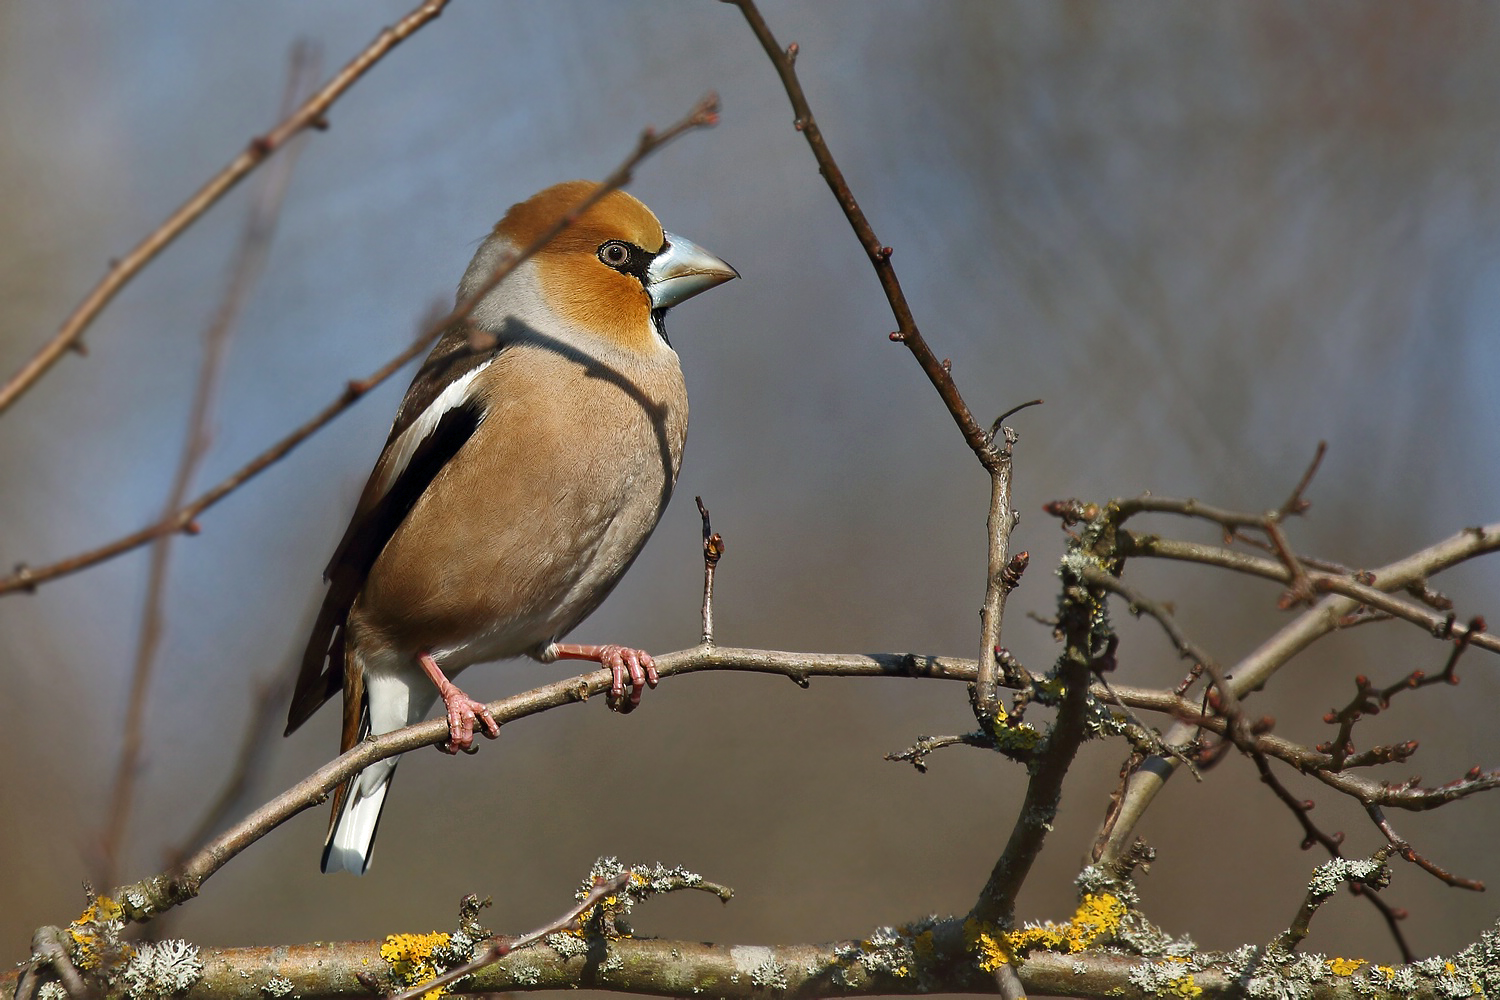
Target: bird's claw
[(634, 666), (463, 713)]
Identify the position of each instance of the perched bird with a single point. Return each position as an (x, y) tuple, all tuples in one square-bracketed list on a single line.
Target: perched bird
[(531, 458)]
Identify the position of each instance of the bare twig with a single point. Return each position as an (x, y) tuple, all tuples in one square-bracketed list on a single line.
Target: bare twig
[(25, 578), (1370, 700), (1295, 504), (249, 262), (1375, 594), (1150, 736), (1000, 420), (1403, 847), (880, 255), (917, 753), (146, 899), (713, 550), (1332, 843), (312, 114), (1140, 604), (995, 459), (998, 523)]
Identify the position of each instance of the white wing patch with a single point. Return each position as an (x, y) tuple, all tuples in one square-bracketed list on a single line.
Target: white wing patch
[(405, 446)]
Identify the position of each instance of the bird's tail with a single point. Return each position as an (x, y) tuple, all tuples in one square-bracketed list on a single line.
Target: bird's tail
[(357, 806)]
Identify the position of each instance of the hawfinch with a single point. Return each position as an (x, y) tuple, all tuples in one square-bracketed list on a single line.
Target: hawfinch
[(532, 456)]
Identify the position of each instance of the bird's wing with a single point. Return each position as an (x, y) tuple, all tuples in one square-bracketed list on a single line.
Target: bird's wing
[(440, 412)]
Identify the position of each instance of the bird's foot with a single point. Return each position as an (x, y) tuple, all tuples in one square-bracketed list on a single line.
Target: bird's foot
[(625, 664), (463, 711)]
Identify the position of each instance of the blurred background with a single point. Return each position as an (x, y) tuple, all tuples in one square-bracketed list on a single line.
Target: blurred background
[(1208, 236)]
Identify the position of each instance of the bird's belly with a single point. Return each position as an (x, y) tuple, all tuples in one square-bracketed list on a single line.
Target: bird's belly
[(499, 568)]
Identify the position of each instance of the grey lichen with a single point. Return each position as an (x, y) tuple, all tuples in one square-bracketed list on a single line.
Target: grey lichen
[(769, 975), (1140, 936), (526, 975), (1330, 876), (52, 991), (162, 970), (1159, 978), (1276, 987), (277, 986), (1095, 879), (567, 945)]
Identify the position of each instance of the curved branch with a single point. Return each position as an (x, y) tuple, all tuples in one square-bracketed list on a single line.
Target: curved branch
[(151, 897)]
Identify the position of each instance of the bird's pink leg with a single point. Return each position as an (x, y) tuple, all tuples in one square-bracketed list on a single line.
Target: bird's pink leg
[(622, 662), (462, 710)]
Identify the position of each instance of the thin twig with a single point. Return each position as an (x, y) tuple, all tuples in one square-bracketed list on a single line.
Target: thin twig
[(25, 578), (1151, 737), (1295, 504), (1373, 595), (999, 521), (249, 262), (713, 550), (1139, 604), (1403, 847), (880, 255), (498, 947), (312, 114), (995, 459), (1000, 420)]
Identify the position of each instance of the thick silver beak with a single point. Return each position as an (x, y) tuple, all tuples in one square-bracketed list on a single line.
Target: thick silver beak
[(681, 270)]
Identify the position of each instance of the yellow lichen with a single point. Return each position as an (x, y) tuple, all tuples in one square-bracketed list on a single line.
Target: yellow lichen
[(102, 908), (1098, 915), (1184, 987), (1015, 735), (1386, 971), (411, 960), (1345, 966), (88, 948), (924, 947)]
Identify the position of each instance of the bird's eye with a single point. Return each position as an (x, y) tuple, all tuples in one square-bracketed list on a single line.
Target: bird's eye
[(615, 254)]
